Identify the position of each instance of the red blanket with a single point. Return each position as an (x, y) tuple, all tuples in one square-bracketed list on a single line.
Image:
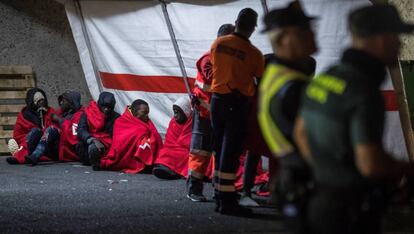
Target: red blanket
[(135, 144), (174, 154), (96, 124), (22, 128), (68, 138)]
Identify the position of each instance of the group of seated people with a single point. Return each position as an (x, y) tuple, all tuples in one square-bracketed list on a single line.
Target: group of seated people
[(98, 136)]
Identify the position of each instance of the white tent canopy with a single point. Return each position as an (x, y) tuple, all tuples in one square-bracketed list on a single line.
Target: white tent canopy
[(128, 47)]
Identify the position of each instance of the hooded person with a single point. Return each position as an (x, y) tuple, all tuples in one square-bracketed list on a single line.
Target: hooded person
[(31, 122), (64, 133), (95, 129), (172, 162), (135, 143)]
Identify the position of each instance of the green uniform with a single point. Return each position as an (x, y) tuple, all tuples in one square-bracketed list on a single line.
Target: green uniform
[(342, 108)]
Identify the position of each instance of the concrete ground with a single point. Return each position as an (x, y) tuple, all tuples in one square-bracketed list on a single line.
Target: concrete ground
[(70, 198)]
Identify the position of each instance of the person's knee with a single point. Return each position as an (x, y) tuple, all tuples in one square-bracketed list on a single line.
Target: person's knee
[(50, 135), (34, 135), (35, 131)]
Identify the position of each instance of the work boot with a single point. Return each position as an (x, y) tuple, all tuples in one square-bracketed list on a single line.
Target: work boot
[(195, 189)]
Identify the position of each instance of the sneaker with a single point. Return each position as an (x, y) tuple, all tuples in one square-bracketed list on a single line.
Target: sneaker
[(13, 146), (196, 197), (30, 159), (12, 160), (247, 201), (195, 189)]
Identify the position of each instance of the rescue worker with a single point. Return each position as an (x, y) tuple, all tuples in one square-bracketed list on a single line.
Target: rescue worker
[(201, 146), (340, 129), (286, 76), (236, 63), (95, 129)]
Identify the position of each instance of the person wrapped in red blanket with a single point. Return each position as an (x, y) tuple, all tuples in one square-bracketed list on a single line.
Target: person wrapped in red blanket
[(31, 122), (172, 162), (136, 142), (64, 133), (95, 129)]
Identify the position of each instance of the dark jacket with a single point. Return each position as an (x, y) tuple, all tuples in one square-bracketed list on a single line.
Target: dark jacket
[(105, 99)]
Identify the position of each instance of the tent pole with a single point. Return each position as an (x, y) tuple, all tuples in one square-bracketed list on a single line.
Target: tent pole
[(176, 47), (88, 45), (265, 8), (399, 89)]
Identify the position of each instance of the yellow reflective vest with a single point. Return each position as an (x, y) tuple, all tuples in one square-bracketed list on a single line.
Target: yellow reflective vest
[(275, 77)]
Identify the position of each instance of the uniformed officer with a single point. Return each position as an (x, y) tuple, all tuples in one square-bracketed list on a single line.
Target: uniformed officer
[(341, 128), (236, 62), (292, 39)]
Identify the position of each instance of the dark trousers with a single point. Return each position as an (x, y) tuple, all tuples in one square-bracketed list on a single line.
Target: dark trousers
[(291, 192), (88, 152), (250, 169), (201, 133), (344, 212), (48, 144), (229, 119), (33, 138)]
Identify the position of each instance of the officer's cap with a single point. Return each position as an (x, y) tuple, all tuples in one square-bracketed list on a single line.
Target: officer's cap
[(292, 15), (377, 19)]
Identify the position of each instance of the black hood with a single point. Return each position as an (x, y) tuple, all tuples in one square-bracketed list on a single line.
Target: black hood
[(74, 97), (30, 96), (106, 99)]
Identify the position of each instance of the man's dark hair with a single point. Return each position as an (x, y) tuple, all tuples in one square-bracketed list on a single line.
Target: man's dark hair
[(225, 29), (247, 19), (135, 105)]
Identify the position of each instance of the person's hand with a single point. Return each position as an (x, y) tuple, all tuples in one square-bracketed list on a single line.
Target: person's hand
[(42, 109), (55, 118), (97, 143), (194, 100)]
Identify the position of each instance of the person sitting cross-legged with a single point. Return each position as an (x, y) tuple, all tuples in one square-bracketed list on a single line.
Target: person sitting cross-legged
[(135, 143), (172, 163)]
